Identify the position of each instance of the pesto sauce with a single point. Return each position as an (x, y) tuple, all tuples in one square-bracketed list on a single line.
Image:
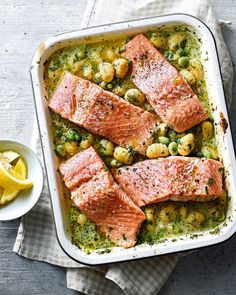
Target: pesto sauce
[(83, 60)]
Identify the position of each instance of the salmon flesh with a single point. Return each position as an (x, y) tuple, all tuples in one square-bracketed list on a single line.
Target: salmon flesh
[(103, 113), (165, 89), (173, 178)]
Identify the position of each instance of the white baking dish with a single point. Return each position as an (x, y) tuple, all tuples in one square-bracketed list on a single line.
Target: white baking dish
[(217, 98)]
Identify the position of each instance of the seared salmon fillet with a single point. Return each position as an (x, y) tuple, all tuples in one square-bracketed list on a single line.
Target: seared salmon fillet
[(173, 178), (103, 113), (108, 206), (81, 168), (96, 194), (165, 89)]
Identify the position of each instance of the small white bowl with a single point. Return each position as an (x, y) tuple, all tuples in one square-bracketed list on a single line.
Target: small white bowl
[(26, 199)]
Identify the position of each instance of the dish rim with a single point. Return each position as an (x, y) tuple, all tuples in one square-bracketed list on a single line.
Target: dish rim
[(130, 24)]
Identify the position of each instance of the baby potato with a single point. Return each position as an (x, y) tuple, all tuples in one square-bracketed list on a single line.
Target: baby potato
[(97, 78), (157, 150), (109, 54), (196, 68), (71, 147), (158, 40), (78, 65), (173, 148), (81, 219), (186, 144), (207, 129), (87, 141), (88, 72), (106, 147), (107, 71), (216, 214), (188, 76), (168, 214), (149, 212), (119, 90), (177, 40), (95, 56), (122, 155), (183, 212), (195, 218), (121, 67), (162, 129), (134, 96)]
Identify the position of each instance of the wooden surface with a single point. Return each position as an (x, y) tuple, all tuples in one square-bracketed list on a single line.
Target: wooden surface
[(23, 24)]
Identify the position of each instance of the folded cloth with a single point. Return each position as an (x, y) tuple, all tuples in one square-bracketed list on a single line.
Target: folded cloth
[(36, 237)]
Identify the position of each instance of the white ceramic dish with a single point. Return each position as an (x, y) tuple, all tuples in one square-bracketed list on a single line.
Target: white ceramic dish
[(26, 198), (224, 140)]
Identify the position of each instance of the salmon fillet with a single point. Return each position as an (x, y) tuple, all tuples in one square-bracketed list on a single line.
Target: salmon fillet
[(103, 113), (81, 168), (107, 205), (173, 178), (100, 198), (165, 89)]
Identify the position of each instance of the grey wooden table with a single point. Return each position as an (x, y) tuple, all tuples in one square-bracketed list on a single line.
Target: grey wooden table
[(23, 24)]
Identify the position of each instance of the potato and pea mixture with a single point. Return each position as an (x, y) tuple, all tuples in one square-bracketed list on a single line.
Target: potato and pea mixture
[(102, 63)]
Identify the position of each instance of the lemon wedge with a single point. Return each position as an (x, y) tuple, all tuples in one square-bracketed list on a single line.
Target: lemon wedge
[(8, 195), (11, 179), (13, 176), (21, 168), (10, 156)]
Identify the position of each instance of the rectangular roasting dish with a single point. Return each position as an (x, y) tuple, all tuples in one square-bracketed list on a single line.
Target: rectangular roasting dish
[(224, 139)]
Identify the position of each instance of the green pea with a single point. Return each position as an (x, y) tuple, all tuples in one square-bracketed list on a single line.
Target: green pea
[(172, 134), (60, 150), (71, 135), (58, 133), (97, 78), (183, 62), (77, 137), (183, 52), (164, 140), (169, 55), (80, 52), (198, 154), (103, 84), (173, 148), (116, 164), (198, 129), (109, 86)]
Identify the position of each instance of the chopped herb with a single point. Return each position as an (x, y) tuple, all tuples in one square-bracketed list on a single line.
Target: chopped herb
[(210, 181)]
